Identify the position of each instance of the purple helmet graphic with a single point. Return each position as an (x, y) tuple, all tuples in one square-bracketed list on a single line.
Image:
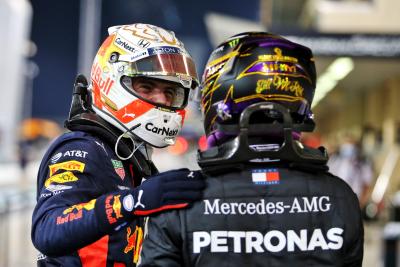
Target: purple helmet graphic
[(256, 67)]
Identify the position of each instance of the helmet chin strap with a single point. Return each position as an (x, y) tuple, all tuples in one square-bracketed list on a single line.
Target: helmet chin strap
[(127, 134)]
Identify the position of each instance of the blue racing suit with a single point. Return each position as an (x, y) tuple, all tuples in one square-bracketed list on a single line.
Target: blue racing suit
[(78, 220)]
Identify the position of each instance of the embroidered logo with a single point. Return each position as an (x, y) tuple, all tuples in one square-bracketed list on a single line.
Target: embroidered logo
[(119, 168), (134, 242), (265, 176), (71, 165), (61, 178)]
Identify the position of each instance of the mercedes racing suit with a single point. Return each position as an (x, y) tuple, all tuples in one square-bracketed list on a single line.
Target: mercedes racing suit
[(261, 216), (80, 181)]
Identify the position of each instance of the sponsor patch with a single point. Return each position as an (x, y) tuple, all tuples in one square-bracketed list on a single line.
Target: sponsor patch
[(60, 178), (56, 157), (69, 153), (58, 187), (124, 44), (69, 217), (87, 206), (164, 50), (134, 242), (113, 208), (75, 212), (55, 189), (71, 165), (75, 153), (161, 131), (119, 168), (306, 204), (128, 202), (138, 55), (40, 257), (103, 82), (143, 43), (273, 241), (117, 206), (265, 176), (139, 198)]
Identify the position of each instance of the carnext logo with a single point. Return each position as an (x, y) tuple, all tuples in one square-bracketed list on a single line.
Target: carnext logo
[(163, 131)]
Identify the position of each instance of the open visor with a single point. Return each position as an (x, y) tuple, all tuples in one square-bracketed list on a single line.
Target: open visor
[(173, 67)]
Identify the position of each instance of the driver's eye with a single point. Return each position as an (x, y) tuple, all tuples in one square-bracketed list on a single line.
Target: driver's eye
[(170, 92), (145, 86)]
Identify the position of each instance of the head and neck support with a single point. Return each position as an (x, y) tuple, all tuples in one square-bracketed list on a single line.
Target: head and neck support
[(239, 149)]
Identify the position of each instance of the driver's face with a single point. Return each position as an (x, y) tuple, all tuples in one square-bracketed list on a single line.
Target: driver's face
[(159, 92)]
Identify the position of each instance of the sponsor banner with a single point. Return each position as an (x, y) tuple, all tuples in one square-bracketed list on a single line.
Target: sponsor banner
[(69, 153), (273, 241), (312, 204), (164, 50), (61, 178), (71, 165), (138, 55)]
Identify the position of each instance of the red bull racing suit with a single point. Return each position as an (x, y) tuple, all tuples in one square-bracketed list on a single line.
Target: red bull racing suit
[(81, 183)]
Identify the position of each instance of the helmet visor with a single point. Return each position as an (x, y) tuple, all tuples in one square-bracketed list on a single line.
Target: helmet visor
[(157, 92), (174, 67)]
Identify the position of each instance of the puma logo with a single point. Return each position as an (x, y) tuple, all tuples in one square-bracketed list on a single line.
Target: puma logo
[(138, 203)]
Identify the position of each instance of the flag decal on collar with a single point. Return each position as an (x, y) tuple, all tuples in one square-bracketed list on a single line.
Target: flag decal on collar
[(265, 176)]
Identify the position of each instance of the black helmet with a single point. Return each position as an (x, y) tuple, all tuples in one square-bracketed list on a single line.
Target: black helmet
[(256, 67)]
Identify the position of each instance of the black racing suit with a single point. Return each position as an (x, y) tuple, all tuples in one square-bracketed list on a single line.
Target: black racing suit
[(261, 215), (78, 219)]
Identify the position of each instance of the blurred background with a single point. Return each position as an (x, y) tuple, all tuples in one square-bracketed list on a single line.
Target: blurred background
[(356, 44)]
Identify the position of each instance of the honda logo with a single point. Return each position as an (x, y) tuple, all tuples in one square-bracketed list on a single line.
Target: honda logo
[(144, 43)]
